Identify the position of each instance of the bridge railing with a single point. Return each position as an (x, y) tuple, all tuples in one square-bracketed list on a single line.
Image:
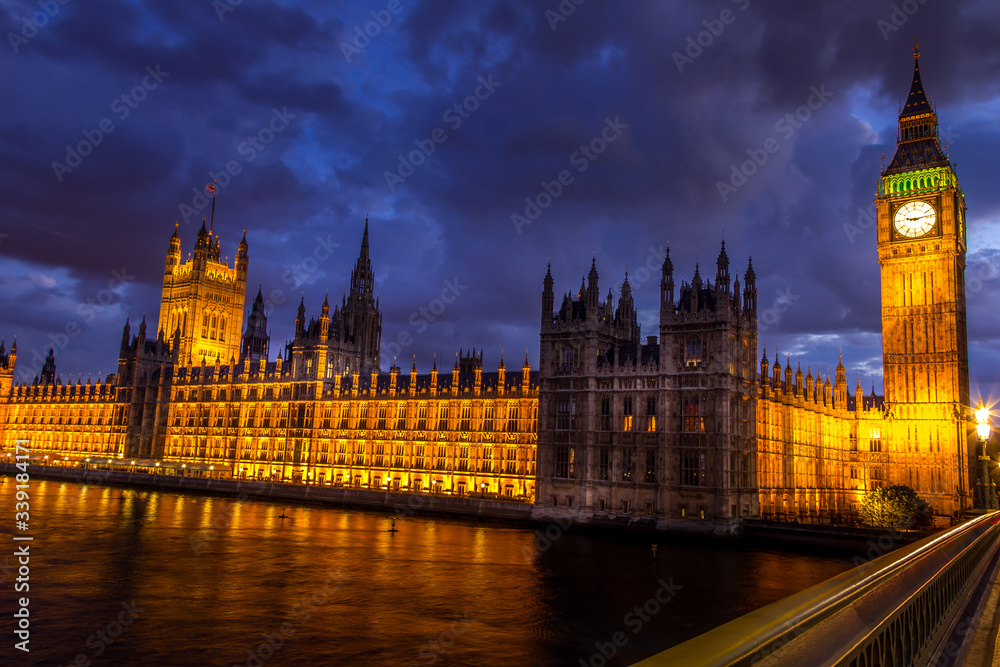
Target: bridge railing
[(895, 610)]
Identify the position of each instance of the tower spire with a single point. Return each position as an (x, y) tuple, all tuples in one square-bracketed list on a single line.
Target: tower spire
[(364, 241), (916, 102), (917, 144), (362, 278)]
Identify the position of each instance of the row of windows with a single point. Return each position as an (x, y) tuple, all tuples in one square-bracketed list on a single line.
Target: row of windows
[(641, 466), (921, 131), (213, 327), (628, 468), (442, 417), (68, 420), (510, 460), (924, 182), (566, 414)]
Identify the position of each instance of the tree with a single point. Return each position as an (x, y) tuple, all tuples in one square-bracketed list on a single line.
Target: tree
[(898, 507)]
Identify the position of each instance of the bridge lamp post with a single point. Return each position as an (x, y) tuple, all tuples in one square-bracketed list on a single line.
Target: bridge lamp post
[(987, 489)]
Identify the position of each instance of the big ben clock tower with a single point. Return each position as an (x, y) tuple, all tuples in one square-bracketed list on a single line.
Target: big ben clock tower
[(921, 251)]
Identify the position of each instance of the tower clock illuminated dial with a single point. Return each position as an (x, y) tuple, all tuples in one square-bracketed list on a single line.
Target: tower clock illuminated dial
[(914, 218)]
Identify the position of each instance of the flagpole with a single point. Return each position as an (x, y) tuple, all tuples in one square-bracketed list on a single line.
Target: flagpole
[(212, 221)]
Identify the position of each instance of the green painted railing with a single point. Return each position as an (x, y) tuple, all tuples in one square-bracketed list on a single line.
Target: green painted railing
[(898, 609)]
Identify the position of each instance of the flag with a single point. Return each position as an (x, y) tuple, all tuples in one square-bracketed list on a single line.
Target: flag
[(211, 188)]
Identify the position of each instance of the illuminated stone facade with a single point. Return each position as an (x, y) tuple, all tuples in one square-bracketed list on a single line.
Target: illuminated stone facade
[(203, 298), (63, 419), (679, 427), (461, 432), (818, 446), (924, 336), (323, 414)]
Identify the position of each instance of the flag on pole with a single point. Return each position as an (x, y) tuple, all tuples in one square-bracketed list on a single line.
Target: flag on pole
[(211, 188)]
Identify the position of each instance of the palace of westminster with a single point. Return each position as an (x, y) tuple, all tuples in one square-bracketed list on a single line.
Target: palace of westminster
[(694, 424)]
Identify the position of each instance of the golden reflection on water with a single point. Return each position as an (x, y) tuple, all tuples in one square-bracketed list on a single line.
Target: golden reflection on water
[(216, 574)]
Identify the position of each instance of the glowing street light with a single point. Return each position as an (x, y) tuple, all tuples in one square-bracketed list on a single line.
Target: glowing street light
[(987, 488), (982, 421)]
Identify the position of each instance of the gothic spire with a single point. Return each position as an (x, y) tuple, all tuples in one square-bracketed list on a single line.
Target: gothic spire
[(916, 102), (362, 277), (364, 242), (917, 145), (723, 261)]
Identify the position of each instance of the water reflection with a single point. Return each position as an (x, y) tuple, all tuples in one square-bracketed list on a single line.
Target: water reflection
[(220, 581)]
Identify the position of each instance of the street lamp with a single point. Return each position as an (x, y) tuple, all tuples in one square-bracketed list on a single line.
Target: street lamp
[(987, 489)]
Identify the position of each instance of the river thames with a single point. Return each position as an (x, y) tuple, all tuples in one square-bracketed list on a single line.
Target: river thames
[(136, 577)]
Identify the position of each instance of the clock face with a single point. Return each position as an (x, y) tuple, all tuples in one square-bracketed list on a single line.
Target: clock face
[(914, 218)]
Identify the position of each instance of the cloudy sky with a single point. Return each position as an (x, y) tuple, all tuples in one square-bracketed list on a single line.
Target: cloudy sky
[(116, 115)]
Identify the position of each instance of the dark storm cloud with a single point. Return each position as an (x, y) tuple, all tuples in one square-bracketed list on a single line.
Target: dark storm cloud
[(560, 81)]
